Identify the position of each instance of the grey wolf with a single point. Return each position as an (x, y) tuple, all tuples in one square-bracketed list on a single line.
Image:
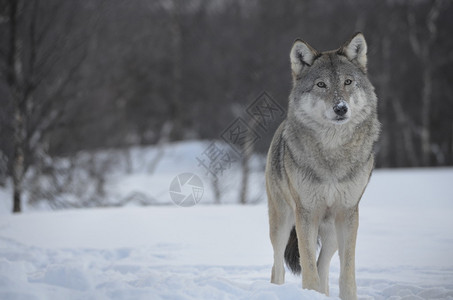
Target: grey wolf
[(319, 164)]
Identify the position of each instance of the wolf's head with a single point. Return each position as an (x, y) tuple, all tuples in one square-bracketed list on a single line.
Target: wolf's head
[(331, 88)]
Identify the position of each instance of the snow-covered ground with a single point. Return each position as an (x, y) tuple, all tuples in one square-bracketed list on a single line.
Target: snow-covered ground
[(135, 176), (404, 249)]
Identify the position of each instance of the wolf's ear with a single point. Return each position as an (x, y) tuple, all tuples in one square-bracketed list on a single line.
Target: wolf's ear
[(355, 50), (301, 55)]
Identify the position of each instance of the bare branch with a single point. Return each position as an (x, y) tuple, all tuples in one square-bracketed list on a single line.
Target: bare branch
[(431, 20), (49, 115), (33, 50), (413, 38)]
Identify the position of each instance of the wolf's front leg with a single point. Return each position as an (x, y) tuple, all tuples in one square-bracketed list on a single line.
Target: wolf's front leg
[(328, 235), (347, 224), (307, 235), (279, 238), (280, 221)]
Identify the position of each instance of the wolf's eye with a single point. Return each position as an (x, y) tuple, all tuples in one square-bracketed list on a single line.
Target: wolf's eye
[(321, 84), (347, 82)]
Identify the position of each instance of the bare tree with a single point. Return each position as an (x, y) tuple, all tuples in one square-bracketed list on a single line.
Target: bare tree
[(407, 128), (216, 189), (384, 80), (177, 53), (422, 45), (37, 75), (160, 146), (20, 94), (247, 152)]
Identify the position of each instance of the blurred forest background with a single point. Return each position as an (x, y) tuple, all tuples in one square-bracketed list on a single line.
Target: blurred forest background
[(89, 75)]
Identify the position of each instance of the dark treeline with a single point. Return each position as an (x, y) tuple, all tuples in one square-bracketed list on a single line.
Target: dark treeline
[(81, 75)]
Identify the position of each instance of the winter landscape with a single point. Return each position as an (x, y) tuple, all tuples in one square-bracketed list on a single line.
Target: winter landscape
[(207, 251), (133, 141)]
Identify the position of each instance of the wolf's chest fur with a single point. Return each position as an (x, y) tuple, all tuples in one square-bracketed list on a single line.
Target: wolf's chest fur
[(327, 167)]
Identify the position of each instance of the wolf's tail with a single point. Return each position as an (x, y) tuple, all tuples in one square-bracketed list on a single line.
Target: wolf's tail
[(292, 257)]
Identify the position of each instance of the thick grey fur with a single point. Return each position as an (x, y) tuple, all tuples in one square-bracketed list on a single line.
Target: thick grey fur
[(319, 164)]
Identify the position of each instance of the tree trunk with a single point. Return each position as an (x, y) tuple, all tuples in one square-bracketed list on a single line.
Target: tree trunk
[(16, 84), (247, 152), (426, 114), (423, 48), (176, 44), (385, 82), (18, 159), (408, 154), (245, 177), (216, 188)]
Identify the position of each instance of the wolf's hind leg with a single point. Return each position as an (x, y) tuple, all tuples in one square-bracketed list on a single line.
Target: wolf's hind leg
[(281, 223), (329, 246)]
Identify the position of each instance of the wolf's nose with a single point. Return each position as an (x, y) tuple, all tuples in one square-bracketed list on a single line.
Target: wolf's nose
[(340, 109)]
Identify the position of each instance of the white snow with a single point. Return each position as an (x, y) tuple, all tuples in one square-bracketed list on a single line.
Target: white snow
[(404, 248), (134, 176)]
